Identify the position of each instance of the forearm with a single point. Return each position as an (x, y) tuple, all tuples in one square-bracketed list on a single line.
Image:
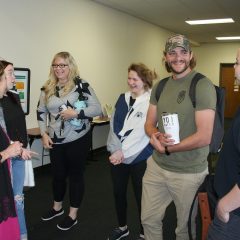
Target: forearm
[(231, 201), (150, 129), (43, 128), (203, 135), (92, 111), (192, 142), (42, 113), (151, 121), (93, 108), (5, 155), (113, 142), (13, 150)]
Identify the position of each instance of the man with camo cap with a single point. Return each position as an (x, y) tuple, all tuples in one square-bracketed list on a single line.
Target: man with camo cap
[(177, 41), (175, 171)]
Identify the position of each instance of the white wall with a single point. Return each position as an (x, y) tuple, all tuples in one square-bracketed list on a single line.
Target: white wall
[(209, 57), (103, 41)]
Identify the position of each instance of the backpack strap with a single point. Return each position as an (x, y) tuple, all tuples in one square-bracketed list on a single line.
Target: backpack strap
[(192, 89), (160, 87), (190, 217)]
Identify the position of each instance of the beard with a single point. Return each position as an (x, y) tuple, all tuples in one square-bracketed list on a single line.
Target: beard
[(187, 64)]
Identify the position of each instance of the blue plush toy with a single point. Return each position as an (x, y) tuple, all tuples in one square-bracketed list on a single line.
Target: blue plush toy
[(78, 105)]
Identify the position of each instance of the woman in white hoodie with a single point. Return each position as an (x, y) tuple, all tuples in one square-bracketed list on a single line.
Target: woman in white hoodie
[(129, 145)]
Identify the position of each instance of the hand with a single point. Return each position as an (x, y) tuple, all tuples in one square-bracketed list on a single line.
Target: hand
[(165, 139), (221, 213), (27, 154), (69, 113), (160, 140), (47, 141), (13, 150), (156, 143), (117, 157)]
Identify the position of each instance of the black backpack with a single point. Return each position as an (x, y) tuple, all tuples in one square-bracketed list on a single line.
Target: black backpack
[(218, 128)]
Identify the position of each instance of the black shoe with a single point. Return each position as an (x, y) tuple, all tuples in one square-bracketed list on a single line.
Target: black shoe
[(117, 234), (67, 223), (52, 214)]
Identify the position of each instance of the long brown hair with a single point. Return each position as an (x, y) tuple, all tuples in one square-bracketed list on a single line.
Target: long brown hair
[(3, 65), (1, 70)]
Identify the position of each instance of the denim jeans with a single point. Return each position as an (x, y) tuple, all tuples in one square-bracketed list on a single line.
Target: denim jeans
[(18, 173)]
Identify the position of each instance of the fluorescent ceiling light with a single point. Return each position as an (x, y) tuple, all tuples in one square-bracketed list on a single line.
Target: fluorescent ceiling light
[(228, 38), (210, 21)]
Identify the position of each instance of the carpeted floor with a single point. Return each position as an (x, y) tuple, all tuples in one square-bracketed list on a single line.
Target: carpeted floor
[(96, 215)]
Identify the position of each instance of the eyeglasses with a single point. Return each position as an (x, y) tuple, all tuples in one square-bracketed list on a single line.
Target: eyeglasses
[(55, 66)]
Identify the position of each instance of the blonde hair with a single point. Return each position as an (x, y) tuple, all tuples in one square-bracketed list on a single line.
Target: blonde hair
[(50, 86)]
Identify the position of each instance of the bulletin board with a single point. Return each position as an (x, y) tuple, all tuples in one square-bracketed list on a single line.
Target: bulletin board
[(22, 76)]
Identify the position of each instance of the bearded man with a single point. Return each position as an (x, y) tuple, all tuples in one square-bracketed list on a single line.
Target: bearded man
[(175, 171)]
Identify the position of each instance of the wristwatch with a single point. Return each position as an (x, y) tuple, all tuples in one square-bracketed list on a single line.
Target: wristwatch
[(1, 158), (166, 151)]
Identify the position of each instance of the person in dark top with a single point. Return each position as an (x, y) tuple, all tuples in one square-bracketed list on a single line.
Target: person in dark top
[(16, 128), (10, 147), (226, 223)]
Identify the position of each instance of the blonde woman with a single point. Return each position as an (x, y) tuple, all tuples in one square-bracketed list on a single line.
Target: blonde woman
[(68, 134)]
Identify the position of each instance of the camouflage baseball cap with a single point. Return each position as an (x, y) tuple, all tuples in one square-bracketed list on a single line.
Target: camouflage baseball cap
[(177, 40)]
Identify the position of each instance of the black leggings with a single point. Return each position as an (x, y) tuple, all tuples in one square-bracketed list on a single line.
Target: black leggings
[(68, 161), (120, 177)]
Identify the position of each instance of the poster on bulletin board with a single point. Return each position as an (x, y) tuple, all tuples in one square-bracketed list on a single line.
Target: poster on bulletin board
[(22, 76)]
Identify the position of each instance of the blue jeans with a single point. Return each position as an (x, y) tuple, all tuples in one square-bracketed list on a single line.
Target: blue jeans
[(18, 174)]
